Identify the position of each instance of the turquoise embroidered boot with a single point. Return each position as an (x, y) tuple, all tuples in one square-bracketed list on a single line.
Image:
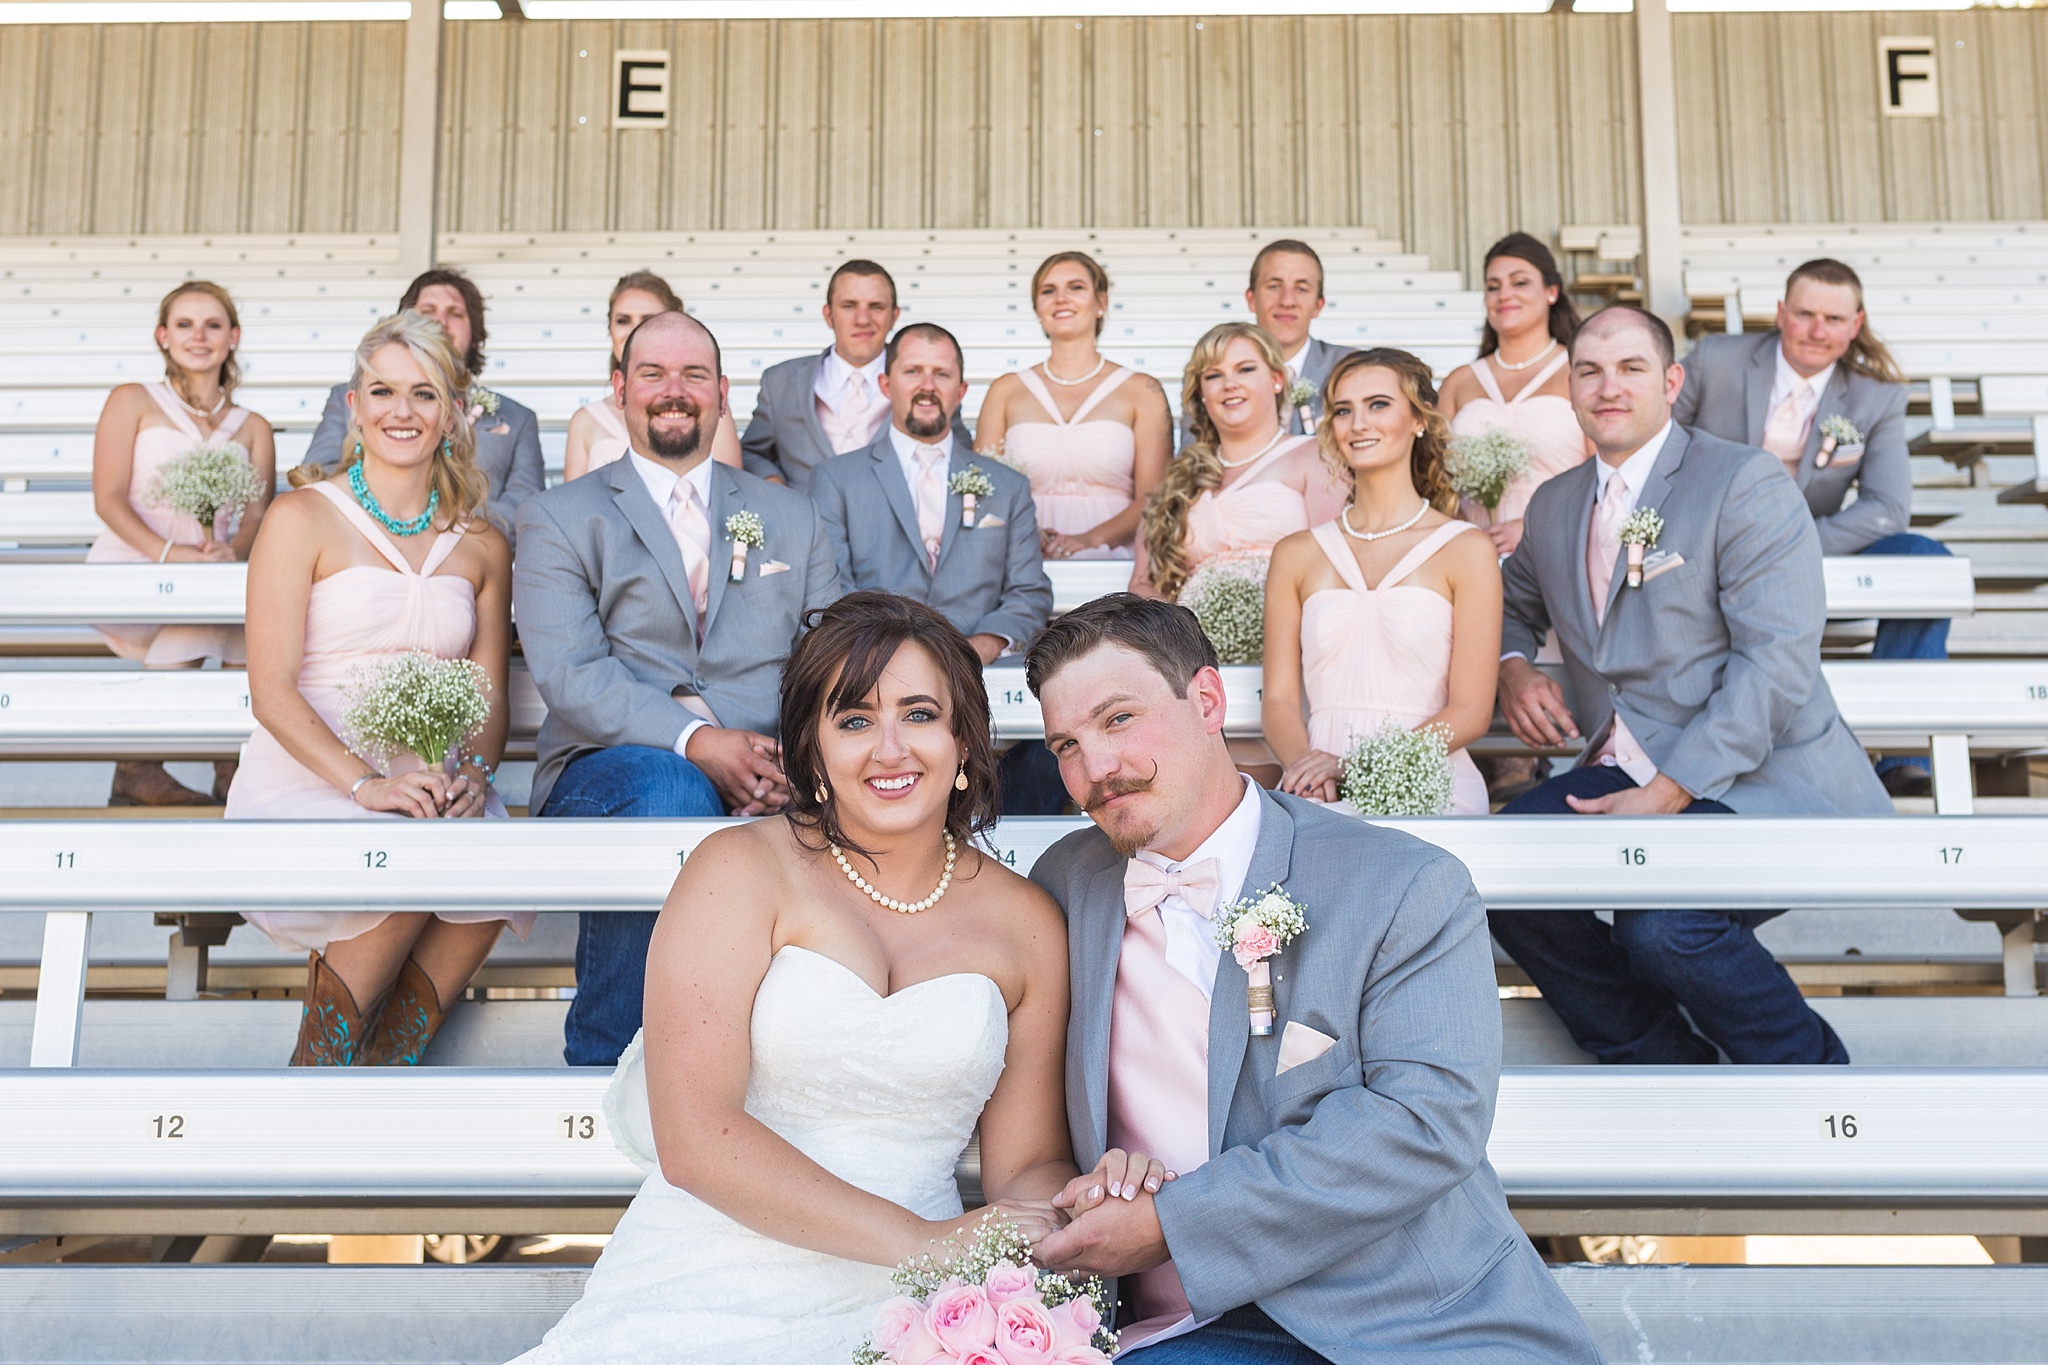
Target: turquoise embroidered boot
[(331, 1029), (411, 1017)]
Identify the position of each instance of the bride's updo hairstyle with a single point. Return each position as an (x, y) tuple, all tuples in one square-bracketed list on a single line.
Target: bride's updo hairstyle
[(838, 662)]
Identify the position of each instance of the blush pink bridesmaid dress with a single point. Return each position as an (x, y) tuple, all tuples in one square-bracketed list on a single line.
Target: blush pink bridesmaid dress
[(1369, 655), (1260, 508), (356, 616), (1544, 421), (1081, 470)]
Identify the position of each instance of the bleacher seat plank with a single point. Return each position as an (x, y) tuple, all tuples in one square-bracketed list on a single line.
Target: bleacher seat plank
[(483, 1315)]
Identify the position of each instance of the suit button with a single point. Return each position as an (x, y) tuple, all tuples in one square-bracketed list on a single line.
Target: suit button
[(1613, 690)]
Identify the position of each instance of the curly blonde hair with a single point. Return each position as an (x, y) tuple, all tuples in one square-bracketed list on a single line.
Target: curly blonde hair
[(464, 490), (1198, 468), (1426, 459)]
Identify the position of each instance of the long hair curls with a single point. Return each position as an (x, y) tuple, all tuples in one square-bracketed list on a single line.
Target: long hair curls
[(462, 486), (1198, 468), (1426, 458), (837, 663)]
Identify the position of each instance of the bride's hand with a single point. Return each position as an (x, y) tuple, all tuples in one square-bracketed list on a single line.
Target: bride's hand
[(1034, 1218), (1119, 1175)]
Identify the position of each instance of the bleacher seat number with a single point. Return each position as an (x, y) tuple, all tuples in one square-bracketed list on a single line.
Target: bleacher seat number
[(167, 1125), (1839, 1126), (578, 1127), (1635, 856)]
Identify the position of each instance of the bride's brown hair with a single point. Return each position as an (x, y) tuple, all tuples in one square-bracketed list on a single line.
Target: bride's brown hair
[(837, 664)]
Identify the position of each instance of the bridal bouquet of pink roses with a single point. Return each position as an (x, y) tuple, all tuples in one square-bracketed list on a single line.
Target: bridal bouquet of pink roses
[(984, 1303)]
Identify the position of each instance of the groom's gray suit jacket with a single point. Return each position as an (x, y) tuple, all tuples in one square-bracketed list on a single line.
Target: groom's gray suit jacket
[(1715, 663), (601, 595), (1350, 1197)]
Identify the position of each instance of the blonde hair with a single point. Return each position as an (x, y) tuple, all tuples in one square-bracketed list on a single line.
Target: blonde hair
[(1866, 355), (230, 369), (462, 486), (1198, 468), (1426, 458), (1098, 278)]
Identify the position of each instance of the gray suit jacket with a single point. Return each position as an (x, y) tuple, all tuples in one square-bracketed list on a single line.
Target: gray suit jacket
[(1715, 663), (1350, 1197), (1728, 392), (507, 451), (990, 580), (784, 437), (1315, 368), (602, 601)]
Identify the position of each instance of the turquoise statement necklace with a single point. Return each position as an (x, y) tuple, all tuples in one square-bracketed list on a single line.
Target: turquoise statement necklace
[(361, 488)]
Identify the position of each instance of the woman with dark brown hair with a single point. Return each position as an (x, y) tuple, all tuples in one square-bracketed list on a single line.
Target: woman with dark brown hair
[(835, 998), (1390, 612), (597, 433)]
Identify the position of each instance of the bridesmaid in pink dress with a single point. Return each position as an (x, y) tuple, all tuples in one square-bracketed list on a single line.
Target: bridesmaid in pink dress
[(1519, 383), (1241, 483), (1392, 611), (388, 555), (142, 428), (597, 433), (1093, 438)]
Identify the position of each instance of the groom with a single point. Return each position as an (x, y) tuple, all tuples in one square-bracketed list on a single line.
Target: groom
[(1333, 1200)]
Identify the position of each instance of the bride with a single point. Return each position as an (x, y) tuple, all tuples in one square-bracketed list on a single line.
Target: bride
[(835, 998)]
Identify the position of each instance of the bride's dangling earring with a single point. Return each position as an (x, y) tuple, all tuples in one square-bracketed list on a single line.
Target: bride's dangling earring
[(824, 794), (960, 779)]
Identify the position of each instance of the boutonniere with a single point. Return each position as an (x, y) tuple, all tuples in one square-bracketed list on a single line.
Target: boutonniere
[(1300, 395), (1639, 533), (1837, 430), (1255, 928), (970, 483), (482, 402), (743, 529)]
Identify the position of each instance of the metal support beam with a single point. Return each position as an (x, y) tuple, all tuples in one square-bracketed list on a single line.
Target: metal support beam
[(60, 988), (419, 140), (1657, 109), (1954, 789)]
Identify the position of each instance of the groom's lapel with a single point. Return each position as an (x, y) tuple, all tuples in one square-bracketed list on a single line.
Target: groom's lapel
[(1229, 1022), (1098, 942)]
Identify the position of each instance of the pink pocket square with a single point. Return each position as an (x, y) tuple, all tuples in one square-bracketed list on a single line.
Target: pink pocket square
[(991, 520), (773, 566), (1299, 1043)]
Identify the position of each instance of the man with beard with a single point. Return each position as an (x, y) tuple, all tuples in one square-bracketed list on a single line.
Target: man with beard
[(900, 520), (657, 646)]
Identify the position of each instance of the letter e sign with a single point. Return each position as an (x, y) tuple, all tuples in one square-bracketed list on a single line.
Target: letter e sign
[(640, 89), (1906, 75)]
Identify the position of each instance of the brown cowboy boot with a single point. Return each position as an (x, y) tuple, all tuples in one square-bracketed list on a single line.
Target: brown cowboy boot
[(411, 1017), (331, 1030), (223, 778), (138, 783)]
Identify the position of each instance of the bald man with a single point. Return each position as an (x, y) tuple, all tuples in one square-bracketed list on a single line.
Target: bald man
[(660, 666)]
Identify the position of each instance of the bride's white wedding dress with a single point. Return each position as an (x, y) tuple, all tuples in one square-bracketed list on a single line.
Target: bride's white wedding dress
[(882, 1091)]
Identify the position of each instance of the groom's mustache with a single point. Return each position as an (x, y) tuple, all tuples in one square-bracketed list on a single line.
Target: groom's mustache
[(1103, 792)]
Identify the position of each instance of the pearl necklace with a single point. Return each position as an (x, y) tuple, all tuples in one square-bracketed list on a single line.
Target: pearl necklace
[(358, 485), (890, 902), (195, 411), (1344, 520), (1513, 366), (1256, 456), (1045, 368)]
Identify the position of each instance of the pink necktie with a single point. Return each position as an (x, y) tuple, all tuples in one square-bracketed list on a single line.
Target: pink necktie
[(931, 500), (686, 522), (1147, 884), (1785, 433), (851, 424), (1603, 542)]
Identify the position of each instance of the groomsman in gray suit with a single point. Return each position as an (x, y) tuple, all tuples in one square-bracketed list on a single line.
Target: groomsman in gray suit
[(809, 409), (656, 644), (1331, 1198), (1695, 668), (1781, 390), (899, 519), (507, 433), (1286, 295)]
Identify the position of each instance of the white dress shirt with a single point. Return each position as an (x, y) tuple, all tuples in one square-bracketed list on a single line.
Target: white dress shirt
[(1295, 361), (661, 484), (1788, 379), (906, 452), (1191, 946), (1635, 470), (830, 385), (850, 425)]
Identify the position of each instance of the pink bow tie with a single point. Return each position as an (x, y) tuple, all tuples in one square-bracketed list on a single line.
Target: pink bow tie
[(1197, 884)]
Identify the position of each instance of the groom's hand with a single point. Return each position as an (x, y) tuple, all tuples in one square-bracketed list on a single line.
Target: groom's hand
[(1118, 1237), (745, 767)]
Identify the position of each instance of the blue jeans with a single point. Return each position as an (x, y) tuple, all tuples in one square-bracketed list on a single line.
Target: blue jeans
[(631, 781), (1243, 1336), (1619, 990), (1908, 639)]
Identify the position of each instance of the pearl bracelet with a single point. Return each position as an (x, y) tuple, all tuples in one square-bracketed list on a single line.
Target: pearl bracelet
[(164, 555)]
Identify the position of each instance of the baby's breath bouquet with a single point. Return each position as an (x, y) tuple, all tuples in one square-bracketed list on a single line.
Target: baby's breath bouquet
[(204, 482), (1398, 771), (979, 1298), (1481, 467), (1227, 594), (414, 703)]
